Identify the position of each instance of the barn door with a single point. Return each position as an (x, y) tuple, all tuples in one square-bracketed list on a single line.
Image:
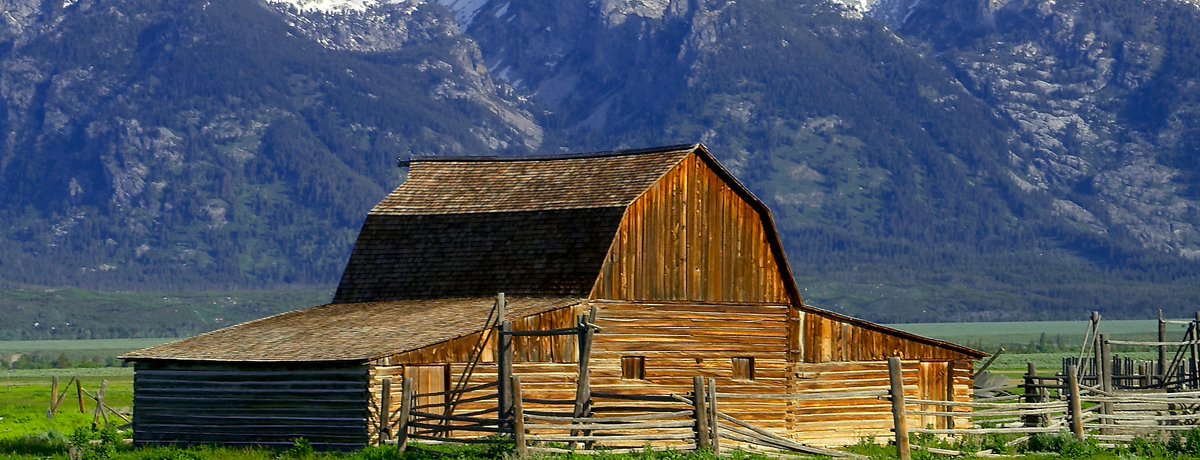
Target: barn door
[(934, 385), (430, 379)]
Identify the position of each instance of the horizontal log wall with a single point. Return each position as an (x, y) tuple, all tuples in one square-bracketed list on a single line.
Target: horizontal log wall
[(824, 418), (547, 365), (681, 340), (267, 404), (829, 420), (692, 237)]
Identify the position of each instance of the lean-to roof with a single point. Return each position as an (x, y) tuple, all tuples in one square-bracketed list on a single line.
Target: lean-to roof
[(348, 331)]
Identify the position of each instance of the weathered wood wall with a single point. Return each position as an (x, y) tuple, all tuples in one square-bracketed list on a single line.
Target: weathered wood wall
[(829, 339), (267, 404), (825, 419), (691, 237), (681, 340), (548, 366)]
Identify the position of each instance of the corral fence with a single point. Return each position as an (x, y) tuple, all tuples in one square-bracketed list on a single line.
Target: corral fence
[(604, 422), (1177, 366), (1047, 404)]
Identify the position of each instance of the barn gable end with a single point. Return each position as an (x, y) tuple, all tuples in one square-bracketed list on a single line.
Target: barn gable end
[(694, 235)]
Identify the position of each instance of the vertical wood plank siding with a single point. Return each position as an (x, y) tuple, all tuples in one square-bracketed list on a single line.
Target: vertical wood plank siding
[(691, 237), (267, 404), (827, 339)]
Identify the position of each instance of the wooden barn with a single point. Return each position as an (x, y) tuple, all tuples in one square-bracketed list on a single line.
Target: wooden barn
[(674, 267)]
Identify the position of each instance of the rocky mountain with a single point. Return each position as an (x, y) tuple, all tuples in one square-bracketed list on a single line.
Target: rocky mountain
[(206, 144), (925, 161)]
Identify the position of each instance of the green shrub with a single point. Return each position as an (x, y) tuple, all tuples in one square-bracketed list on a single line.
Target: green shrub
[(170, 453), (300, 449), (1062, 443), (43, 444)]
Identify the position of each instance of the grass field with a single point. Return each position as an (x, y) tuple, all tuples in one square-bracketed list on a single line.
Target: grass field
[(1070, 333), (101, 345), (24, 401)]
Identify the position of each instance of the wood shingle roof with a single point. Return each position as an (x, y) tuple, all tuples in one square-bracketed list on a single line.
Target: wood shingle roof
[(348, 331)]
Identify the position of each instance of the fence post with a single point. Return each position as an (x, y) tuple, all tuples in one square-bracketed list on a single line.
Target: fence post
[(518, 418), (583, 388), (53, 396), (79, 391), (1162, 351), (714, 421), (1073, 398), (1106, 379), (899, 419), (505, 370), (701, 412), (385, 411), (99, 404), (1032, 394), (406, 397), (1195, 354)]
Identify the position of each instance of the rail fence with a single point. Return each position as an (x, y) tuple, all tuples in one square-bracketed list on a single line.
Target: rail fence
[(1047, 404), (605, 422)]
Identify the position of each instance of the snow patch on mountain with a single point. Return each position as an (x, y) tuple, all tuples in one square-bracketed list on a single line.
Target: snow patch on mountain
[(892, 12), (464, 10), (337, 6)]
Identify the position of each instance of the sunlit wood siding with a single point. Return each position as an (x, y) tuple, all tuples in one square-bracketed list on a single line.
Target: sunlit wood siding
[(681, 340), (691, 236), (827, 338), (548, 366), (267, 404), (835, 422)]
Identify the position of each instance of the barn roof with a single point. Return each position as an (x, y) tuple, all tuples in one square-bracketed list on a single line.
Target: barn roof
[(347, 331), (474, 226)]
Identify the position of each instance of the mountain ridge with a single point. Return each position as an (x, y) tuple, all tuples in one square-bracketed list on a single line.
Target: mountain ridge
[(979, 149)]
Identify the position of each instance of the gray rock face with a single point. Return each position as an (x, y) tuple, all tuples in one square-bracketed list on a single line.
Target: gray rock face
[(1063, 80), (391, 26)]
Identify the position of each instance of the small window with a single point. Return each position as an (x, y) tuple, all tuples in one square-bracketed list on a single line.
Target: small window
[(633, 367), (743, 368)]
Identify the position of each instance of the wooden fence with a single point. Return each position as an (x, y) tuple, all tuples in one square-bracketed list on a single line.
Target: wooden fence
[(1048, 404), (608, 422), (101, 409)]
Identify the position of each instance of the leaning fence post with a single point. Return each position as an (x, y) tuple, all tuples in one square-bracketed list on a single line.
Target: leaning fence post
[(385, 411), (701, 412), (896, 376), (714, 421), (518, 418), (99, 404), (406, 397), (1073, 402)]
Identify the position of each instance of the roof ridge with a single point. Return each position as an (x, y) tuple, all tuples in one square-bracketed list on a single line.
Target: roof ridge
[(551, 157)]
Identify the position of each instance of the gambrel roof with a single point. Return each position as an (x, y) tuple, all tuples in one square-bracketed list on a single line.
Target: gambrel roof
[(475, 226)]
